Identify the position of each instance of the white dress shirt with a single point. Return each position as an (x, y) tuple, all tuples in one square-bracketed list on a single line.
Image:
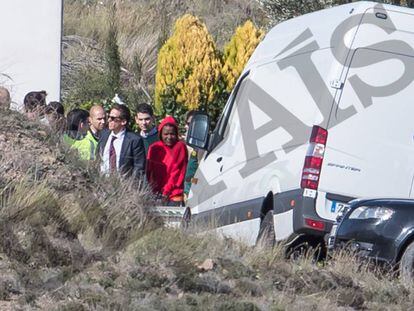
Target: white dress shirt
[(105, 167)]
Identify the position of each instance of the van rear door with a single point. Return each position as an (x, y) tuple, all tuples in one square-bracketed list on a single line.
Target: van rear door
[(370, 148), (370, 151)]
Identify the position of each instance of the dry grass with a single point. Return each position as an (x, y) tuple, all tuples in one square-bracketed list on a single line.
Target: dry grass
[(159, 271), (22, 199), (72, 240)]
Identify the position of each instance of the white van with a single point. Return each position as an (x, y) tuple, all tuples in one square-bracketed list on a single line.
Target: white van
[(323, 113)]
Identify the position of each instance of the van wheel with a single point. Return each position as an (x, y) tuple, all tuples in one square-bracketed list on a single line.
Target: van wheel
[(316, 252), (407, 264), (297, 252), (266, 236)]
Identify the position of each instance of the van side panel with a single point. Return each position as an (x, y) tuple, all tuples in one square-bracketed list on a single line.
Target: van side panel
[(266, 140)]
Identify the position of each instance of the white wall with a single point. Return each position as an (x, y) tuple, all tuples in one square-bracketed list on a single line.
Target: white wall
[(30, 47)]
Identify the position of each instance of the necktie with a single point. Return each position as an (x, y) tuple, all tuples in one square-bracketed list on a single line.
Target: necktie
[(112, 156)]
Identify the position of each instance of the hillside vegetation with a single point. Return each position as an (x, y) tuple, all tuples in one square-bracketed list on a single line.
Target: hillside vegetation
[(72, 240), (142, 28)]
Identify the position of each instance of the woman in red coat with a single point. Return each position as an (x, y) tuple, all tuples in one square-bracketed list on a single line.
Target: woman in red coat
[(166, 163)]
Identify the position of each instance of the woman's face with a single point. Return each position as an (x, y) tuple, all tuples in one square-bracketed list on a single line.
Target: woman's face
[(169, 135)]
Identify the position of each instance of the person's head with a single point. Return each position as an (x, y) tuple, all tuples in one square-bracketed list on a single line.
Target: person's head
[(118, 118), (168, 131), (97, 119), (77, 121), (35, 104), (145, 117), (4, 97), (54, 111), (188, 117)]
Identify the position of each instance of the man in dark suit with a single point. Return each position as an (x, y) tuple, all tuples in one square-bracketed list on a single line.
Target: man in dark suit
[(121, 150)]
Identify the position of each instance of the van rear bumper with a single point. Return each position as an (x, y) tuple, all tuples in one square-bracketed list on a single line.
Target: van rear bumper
[(305, 219)]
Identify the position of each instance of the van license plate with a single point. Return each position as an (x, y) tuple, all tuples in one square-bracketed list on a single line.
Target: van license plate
[(337, 206)]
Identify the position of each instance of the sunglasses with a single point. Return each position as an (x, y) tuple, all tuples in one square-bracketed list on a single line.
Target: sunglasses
[(116, 119)]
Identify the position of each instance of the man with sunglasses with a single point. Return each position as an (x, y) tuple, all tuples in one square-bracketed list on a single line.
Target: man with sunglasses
[(121, 150)]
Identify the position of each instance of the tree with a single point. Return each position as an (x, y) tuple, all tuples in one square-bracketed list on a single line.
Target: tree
[(409, 3), (238, 51), (280, 10), (113, 60), (188, 69)]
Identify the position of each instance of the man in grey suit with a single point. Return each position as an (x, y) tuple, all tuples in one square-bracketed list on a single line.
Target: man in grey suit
[(121, 150)]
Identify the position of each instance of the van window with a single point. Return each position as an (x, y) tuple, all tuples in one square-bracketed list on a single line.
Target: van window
[(219, 132)]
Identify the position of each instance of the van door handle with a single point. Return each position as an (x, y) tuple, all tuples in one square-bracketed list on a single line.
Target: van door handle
[(219, 159)]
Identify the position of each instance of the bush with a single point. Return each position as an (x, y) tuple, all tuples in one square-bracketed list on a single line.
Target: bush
[(238, 51), (188, 69), (87, 85)]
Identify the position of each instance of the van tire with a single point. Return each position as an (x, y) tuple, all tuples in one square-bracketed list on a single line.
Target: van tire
[(407, 264), (297, 252), (266, 236), (307, 248)]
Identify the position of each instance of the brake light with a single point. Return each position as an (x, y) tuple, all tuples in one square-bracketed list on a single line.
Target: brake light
[(314, 224), (319, 135), (314, 157)]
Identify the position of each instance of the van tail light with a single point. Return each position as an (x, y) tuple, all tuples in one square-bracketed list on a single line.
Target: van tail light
[(314, 157), (315, 224)]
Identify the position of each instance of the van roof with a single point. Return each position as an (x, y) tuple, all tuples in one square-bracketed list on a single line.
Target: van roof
[(321, 25)]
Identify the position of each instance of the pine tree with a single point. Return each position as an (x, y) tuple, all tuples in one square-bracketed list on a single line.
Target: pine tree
[(113, 59), (238, 51), (188, 69)]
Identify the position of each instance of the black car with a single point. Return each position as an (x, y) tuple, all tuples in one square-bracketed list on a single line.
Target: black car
[(379, 229)]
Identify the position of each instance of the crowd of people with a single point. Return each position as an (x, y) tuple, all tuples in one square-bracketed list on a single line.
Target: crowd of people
[(157, 154)]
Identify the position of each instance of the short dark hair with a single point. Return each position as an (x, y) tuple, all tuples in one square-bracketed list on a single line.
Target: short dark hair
[(75, 117), (145, 108), (34, 99), (125, 114), (55, 107)]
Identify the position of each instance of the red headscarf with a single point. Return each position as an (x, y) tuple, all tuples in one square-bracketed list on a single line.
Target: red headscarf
[(169, 120)]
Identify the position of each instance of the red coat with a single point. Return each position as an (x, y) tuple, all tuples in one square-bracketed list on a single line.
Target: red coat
[(166, 168), (166, 165)]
